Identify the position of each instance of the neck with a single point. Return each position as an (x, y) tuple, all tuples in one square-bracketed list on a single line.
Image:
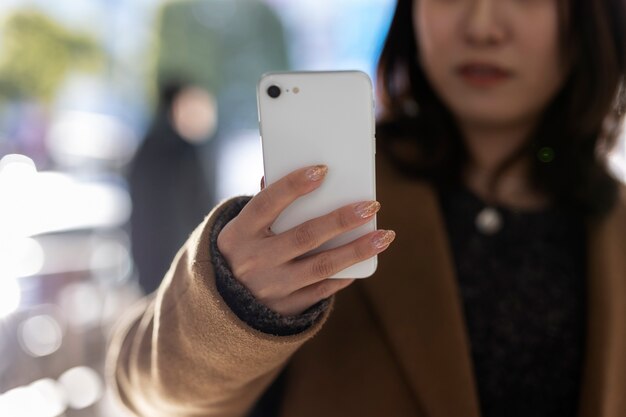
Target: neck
[(487, 148)]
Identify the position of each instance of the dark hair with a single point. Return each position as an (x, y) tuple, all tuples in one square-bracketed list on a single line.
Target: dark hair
[(170, 88), (570, 144)]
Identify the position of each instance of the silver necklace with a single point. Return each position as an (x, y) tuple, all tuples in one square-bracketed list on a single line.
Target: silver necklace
[(488, 221)]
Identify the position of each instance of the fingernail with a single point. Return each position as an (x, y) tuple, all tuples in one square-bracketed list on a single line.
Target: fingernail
[(317, 172), (383, 238), (367, 209)]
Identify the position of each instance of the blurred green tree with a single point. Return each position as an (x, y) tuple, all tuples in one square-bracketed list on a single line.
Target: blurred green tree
[(223, 46), (37, 53)]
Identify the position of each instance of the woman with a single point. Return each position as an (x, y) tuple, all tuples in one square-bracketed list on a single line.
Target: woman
[(504, 291)]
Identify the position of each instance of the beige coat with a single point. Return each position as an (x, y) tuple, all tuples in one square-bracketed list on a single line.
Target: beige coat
[(394, 344)]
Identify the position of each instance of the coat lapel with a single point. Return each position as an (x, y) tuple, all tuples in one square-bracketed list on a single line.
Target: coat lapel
[(416, 298), (420, 308), (604, 376)]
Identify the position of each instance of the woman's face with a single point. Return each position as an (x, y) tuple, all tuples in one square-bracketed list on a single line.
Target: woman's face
[(493, 62)]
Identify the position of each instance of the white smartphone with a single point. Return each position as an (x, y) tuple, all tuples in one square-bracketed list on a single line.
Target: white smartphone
[(310, 118)]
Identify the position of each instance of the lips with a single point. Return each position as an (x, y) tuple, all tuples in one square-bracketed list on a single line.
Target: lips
[(483, 74)]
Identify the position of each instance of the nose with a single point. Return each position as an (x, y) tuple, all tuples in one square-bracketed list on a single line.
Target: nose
[(482, 23)]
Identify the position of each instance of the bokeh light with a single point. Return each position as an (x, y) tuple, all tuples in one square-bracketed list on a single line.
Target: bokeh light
[(42, 398), (10, 296), (18, 177), (82, 386), (82, 305), (20, 257), (16, 166), (51, 398), (40, 335), (79, 135), (111, 257), (15, 402), (54, 202)]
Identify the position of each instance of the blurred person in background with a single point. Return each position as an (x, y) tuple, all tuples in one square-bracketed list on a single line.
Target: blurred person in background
[(168, 189), (223, 46), (505, 290)]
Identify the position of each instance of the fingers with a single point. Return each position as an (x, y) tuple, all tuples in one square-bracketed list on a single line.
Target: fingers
[(326, 264), (262, 182), (292, 288), (265, 207), (319, 267), (313, 233)]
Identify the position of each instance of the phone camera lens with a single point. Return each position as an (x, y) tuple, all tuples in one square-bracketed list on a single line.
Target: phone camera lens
[(273, 91)]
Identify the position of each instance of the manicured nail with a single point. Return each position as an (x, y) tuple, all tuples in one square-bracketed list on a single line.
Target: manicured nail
[(317, 172), (367, 209), (383, 238)]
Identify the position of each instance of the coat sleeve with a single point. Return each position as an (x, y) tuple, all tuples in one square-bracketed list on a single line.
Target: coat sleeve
[(183, 352)]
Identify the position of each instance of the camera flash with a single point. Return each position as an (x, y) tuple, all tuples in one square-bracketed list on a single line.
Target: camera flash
[(295, 90)]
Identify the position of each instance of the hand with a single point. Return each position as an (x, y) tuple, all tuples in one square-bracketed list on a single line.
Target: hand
[(270, 266)]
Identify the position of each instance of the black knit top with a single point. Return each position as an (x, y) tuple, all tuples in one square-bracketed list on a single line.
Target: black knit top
[(523, 290)]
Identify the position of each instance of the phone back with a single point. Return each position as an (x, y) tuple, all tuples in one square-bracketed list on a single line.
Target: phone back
[(321, 118)]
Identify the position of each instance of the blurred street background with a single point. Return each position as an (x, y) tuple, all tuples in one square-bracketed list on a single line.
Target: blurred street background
[(136, 117), (141, 110)]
